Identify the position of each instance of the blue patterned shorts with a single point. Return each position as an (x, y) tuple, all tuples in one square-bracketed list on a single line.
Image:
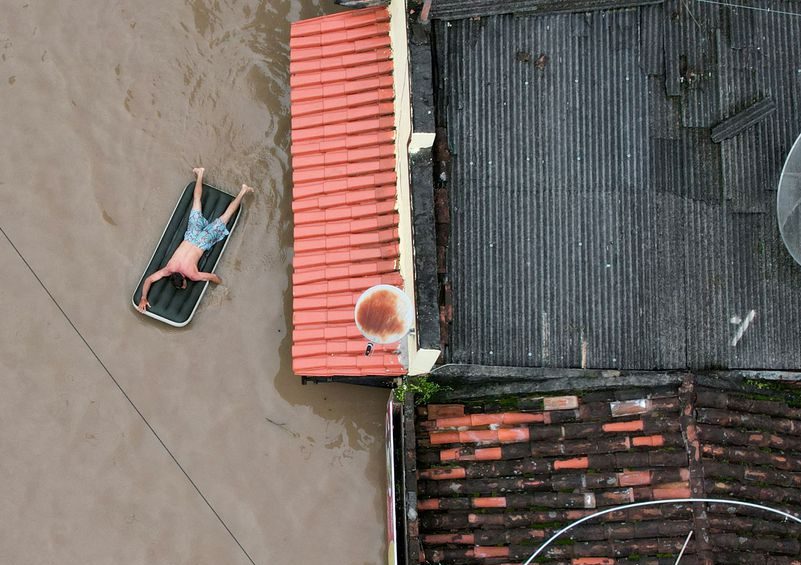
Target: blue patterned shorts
[(201, 233)]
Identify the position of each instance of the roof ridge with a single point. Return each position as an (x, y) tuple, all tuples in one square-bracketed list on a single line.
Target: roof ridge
[(354, 18)]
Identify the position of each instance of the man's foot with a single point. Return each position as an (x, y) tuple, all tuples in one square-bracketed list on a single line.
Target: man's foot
[(246, 189), (198, 171)]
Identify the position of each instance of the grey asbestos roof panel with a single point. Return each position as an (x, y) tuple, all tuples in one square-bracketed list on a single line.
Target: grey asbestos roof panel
[(453, 9), (594, 220)]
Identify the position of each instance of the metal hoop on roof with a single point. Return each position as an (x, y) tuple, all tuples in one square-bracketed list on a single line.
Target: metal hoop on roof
[(653, 503)]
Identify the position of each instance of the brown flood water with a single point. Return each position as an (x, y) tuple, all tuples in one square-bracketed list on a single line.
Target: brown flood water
[(105, 108)]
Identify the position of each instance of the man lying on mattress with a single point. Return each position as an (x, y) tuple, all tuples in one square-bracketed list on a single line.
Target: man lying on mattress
[(200, 236)]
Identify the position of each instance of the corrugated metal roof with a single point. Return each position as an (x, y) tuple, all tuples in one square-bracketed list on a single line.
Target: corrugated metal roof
[(594, 221), (457, 9), (344, 194)]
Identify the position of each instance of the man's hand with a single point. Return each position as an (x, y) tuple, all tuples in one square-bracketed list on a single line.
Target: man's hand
[(158, 275)]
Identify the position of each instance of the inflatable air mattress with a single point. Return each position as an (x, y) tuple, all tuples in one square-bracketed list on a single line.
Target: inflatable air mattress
[(177, 306)]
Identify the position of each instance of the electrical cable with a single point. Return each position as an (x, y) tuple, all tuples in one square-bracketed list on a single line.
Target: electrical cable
[(654, 503), (125, 394), (754, 8)]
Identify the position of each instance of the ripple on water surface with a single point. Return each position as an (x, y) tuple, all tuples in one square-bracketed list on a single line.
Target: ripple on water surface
[(106, 109)]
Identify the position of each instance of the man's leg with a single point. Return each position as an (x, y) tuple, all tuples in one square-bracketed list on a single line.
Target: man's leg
[(232, 207), (198, 189)]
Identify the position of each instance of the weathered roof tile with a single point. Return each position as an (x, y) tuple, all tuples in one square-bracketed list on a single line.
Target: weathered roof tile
[(493, 475)]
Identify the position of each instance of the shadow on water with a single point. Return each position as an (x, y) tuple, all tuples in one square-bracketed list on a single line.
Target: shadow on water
[(269, 82), (344, 403)]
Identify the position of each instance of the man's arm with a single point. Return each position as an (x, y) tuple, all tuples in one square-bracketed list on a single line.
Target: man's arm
[(211, 277), (158, 275)]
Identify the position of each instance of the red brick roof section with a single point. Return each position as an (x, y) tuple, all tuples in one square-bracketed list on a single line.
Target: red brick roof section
[(344, 188), (496, 478)]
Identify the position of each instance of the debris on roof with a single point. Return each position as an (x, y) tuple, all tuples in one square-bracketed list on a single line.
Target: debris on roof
[(344, 188), (744, 119)]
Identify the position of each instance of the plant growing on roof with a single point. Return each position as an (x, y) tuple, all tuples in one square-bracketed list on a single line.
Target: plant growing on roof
[(421, 387)]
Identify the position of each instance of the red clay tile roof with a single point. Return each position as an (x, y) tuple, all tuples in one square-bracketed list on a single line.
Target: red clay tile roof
[(498, 477), (344, 195)]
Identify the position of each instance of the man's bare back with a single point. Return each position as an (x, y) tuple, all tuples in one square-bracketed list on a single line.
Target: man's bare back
[(185, 260), (200, 236)]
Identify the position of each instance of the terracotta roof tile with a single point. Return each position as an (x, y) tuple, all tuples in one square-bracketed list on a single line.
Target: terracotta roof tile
[(344, 20), (633, 426), (359, 284), (340, 49), (339, 89), (344, 184), (380, 364), (352, 270), (344, 74), (321, 172), (352, 212), (576, 463), (346, 198), (353, 127), (324, 333), (325, 38), (648, 441), (374, 224), (344, 142), (344, 188), (436, 411), (327, 301), (348, 114), (350, 255), (337, 157), (329, 63), (330, 347), (322, 316)]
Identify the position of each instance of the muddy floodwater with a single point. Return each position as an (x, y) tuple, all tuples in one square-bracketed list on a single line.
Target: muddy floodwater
[(122, 440)]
